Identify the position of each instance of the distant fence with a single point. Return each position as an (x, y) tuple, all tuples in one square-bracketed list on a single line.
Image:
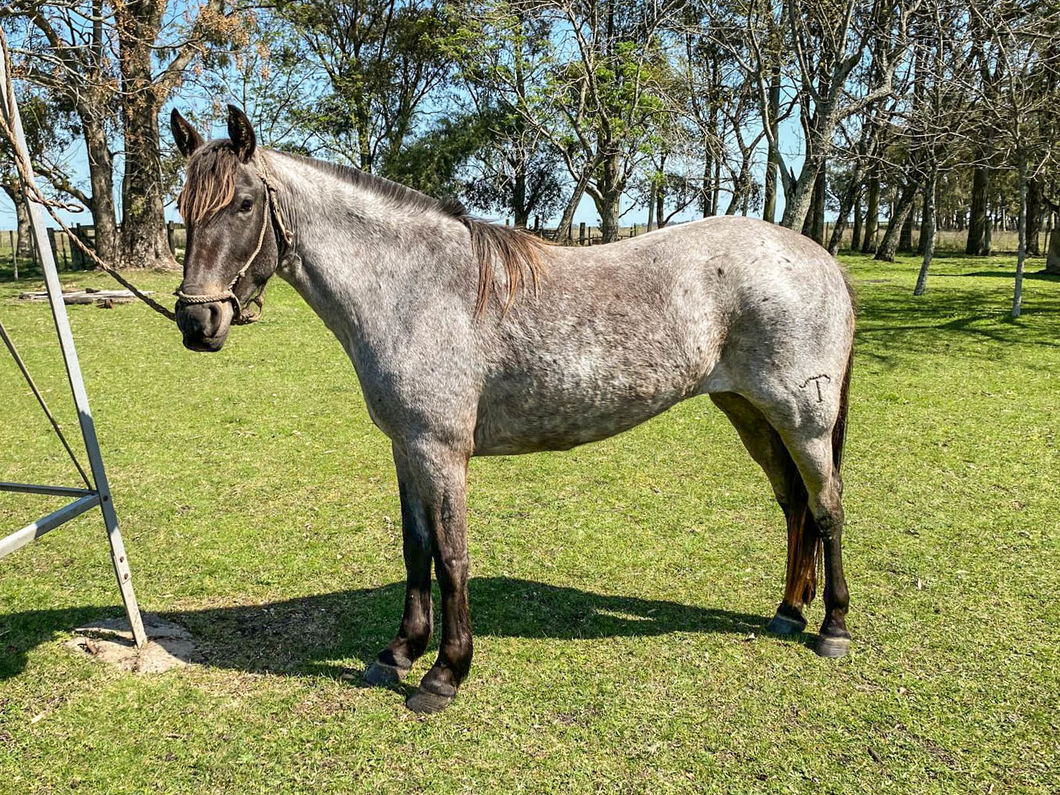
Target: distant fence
[(68, 255), (584, 235)]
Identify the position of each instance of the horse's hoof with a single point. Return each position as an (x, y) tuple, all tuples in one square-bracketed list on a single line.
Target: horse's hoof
[(381, 674), (785, 625), (424, 702), (832, 646)]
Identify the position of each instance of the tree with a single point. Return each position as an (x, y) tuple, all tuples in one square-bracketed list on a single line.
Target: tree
[(829, 41), (938, 118), (378, 62), (1023, 43), (604, 88), (145, 85), (119, 61), (503, 53), (48, 133), (67, 50)]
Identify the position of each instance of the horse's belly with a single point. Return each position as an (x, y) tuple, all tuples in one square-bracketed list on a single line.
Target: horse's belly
[(536, 418)]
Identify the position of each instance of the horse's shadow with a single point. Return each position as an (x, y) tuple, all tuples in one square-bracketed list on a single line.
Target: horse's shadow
[(323, 635)]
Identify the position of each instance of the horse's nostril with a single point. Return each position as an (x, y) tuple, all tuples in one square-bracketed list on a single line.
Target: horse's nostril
[(215, 315), (198, 321)]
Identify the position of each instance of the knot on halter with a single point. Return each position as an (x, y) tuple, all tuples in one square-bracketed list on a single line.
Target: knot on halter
[(229, 294)]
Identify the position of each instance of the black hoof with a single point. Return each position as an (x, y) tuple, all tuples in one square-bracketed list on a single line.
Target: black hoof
[(787, 621), (782, 625), (832, 646), (424, 702), (381, 674)]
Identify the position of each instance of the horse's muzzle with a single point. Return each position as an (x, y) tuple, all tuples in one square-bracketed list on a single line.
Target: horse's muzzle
[(205, 326)]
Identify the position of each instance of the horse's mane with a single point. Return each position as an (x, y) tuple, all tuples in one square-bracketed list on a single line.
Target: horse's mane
[(210, 185)]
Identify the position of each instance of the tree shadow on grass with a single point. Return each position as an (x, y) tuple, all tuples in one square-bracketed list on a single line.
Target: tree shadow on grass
[(1007, 273), (318, 635), (894, 325)]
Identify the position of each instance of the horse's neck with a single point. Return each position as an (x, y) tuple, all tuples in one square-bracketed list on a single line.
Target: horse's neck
[(358, 256)]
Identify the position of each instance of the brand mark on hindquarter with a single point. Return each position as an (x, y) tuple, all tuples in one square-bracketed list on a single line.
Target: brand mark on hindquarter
[(816, 380)]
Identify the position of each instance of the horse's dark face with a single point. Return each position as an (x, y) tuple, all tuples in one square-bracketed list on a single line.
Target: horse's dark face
[(229, 223)]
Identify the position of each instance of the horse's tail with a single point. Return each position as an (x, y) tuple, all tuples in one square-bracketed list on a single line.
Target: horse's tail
[(804, 543)]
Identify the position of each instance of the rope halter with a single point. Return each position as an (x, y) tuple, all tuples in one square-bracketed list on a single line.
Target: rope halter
[(268, 207)]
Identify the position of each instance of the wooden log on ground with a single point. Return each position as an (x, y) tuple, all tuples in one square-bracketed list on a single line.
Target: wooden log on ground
[(87, 296)]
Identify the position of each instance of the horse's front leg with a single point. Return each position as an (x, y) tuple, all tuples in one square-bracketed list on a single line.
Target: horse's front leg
[(413, 635), (440, 474)]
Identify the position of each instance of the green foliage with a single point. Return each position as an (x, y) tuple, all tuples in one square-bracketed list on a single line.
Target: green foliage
[(435, 161), (379, 61)]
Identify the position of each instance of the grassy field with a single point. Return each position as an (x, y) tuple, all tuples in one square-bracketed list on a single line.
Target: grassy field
[(620, 590)]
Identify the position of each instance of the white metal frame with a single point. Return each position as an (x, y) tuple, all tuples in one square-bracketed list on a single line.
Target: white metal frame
[(99, 494)]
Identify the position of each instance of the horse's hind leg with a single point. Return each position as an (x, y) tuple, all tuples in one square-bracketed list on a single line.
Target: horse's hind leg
[(412, 637), (768, 450), (817, 464)]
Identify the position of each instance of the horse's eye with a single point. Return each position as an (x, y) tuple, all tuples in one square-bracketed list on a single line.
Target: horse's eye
[(246, 205)]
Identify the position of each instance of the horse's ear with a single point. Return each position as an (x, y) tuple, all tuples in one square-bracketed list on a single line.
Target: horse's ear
[(185, 136), (241, 132)]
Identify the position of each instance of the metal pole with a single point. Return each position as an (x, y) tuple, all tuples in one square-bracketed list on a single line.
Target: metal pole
[(34, 531), (73, 372)]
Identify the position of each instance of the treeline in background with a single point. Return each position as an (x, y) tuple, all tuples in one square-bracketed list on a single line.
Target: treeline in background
[(882, 126)]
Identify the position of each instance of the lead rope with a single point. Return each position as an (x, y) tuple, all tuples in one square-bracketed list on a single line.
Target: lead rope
[(243, 316)]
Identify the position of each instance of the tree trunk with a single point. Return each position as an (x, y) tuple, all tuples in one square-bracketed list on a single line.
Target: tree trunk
[(903, 209), (798, 205), (564, 233), (846, 204), (905, 238), (23, 244), (715, 198), (707, 206), (872, 216), (1052, 257), (608, 196), (769, 210), (651, 205), (817, 224), (520, 207), (855, 234), (144, 240), (1033, 219), (101, 177), (924, 217), (927, 230), (977, 217), (739, 188), (1021, 255)]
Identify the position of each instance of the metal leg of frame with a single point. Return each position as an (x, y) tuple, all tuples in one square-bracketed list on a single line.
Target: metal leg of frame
[(73, 372)]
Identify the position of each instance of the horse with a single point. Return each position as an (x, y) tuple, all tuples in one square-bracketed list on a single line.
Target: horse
[(475, 339)]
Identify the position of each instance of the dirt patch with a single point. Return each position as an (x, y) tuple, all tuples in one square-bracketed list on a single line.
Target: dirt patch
[(169, 645)]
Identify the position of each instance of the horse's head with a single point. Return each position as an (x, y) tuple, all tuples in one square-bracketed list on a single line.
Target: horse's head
[(232, 242)]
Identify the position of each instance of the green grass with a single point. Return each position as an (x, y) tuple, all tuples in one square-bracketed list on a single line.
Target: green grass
[(619, 594)]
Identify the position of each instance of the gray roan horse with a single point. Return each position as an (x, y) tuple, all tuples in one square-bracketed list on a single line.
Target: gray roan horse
[(474, 339)]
